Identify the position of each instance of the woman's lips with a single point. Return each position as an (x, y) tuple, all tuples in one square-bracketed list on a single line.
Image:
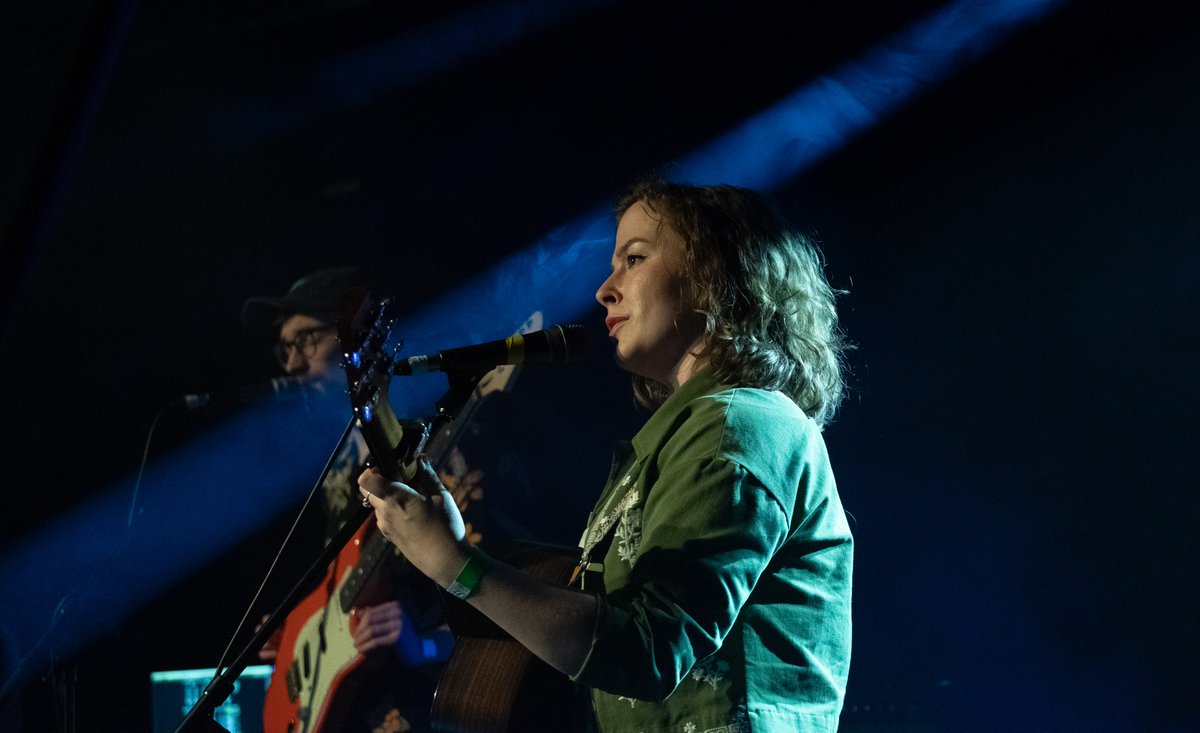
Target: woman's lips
[(613, 322)]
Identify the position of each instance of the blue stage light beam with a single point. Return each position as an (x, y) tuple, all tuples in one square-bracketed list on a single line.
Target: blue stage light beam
[(775, 146), (556, 276), (371, 73), (561, 271), (80, 576)]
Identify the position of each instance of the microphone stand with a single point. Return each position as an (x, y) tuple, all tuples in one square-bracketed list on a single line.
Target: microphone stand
[(200, 718)]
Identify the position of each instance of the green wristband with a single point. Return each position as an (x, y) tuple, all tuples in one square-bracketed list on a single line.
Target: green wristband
[(476, 567)]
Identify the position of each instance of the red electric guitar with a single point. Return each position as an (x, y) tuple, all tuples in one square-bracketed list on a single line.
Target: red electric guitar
[(317, 668)]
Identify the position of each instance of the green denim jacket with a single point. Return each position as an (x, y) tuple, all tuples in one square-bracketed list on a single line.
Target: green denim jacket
[(725, 589)]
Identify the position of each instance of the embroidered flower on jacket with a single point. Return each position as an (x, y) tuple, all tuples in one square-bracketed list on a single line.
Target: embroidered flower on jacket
[(629, 535)]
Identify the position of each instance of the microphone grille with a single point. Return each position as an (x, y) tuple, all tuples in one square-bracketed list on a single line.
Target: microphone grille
[(567, 343)]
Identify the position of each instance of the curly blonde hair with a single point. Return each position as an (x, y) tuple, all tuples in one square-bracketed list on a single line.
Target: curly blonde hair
[(770, 319)]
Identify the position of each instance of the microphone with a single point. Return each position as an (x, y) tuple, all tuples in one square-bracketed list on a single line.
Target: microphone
[(279, 389), (555, 344)]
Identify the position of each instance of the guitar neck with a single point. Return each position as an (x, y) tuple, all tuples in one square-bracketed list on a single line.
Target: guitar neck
[(443, 436)]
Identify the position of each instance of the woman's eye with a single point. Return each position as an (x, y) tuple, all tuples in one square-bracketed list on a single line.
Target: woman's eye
[(631, 260)]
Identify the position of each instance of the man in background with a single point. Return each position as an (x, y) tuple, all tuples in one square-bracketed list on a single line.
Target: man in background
[(404, 636)]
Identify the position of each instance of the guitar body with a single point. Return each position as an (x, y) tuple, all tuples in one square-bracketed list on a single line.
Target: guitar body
[(316, 652), (492, 684)]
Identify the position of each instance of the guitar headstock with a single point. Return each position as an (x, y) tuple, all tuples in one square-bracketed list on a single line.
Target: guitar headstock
[(369, 355)]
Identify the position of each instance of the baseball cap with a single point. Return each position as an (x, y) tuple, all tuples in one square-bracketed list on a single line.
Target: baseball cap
[(318, 294)]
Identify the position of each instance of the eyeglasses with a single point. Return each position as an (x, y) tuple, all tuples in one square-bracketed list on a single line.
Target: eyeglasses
[(305, 342)]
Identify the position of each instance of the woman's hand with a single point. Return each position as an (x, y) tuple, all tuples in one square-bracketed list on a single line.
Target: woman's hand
[(552, 621), (421, 520)]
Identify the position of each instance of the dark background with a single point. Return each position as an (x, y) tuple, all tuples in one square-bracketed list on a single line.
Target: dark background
[(1020, 246)]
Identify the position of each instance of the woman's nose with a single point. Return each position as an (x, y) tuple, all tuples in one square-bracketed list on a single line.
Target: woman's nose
[(608, 294)]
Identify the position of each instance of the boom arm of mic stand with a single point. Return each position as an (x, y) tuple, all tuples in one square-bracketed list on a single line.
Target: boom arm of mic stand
[(461, 386), (200, 718)]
